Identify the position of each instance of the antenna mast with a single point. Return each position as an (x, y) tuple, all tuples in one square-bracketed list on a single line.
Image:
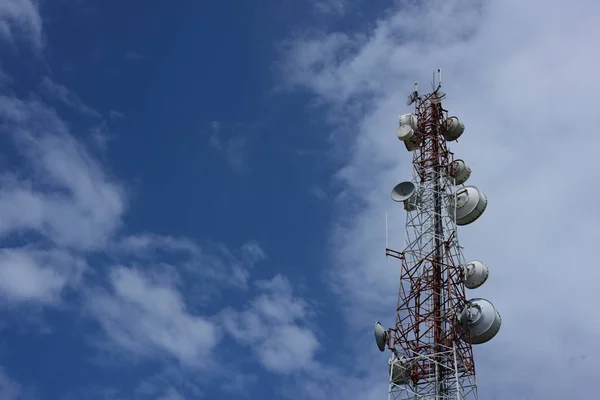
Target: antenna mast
[(436, 326)]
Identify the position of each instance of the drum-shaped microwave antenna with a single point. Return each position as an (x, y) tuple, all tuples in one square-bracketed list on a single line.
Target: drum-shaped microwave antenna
[(453, 128), (400, 370), (380, 336), (459, 172), (481, 320), (475, 274), (409, 119), (469, 204), (407, 126), (404, 132)]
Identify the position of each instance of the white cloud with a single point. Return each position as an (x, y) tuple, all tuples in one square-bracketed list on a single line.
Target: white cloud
[(330, 6), (253, 253), (146, 316), (20, 17), (233, 148), (29, 275), (171, 394), (9, 389), (68, 197), (273, 325), (511, 70), (69, 98), (213, 262), (147, 244), (115, 115)]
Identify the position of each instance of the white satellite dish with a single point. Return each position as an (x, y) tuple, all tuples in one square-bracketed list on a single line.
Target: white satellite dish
[(403, 191), (453, 128), (381, 336), (470, 203), (459, 172), (481, 320), (407, 193), (475, 274)]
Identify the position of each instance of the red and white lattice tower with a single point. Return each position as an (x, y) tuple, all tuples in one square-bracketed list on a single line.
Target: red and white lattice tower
[(436, 325)]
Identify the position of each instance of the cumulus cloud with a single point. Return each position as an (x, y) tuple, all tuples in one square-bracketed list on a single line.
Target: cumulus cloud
[(507, 81), (273, 325), (144, 316), (30, 275), (68, 197)]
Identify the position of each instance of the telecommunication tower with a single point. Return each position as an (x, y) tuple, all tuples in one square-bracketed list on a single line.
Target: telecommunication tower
[(436, 325)]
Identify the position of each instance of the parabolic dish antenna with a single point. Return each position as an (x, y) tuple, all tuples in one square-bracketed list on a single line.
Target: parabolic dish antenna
[(453, 128), (380, 336), (408, 193), (403, 191), (459, 172), (481, 319), (470, 204), (475, 274)]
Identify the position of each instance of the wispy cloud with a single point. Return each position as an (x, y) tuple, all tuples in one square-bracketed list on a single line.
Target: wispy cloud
[(9, 389), (132, 56), (64, 95), (115, 115), (330, 6), (85, 206), (21, 17), (233, 147)]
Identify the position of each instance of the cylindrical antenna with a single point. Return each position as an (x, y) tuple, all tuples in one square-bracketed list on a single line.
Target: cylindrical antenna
[(416, 86), (386, 232), (440, 77)]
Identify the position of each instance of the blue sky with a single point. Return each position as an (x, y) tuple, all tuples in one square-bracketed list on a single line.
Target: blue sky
[(193, 197)]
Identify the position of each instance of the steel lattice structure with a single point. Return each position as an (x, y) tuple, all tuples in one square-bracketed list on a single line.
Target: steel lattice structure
[(432, 355)]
